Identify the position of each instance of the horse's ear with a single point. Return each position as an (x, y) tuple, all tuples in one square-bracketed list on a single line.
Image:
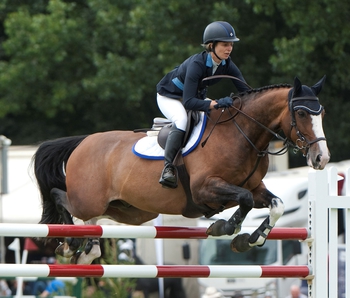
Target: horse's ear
[(297, 85), (318, 86)]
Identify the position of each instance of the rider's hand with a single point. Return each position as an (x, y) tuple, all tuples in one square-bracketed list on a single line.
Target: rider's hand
[(224, 102)]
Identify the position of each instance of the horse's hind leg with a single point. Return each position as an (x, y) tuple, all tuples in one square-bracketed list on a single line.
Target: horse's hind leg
[(245, 241), (91, 250), (70, 245)]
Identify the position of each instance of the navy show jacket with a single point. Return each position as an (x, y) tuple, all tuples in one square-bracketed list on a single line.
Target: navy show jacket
[(185, 81)]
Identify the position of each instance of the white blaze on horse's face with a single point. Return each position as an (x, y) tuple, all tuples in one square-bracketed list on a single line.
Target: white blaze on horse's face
[(318, 155)]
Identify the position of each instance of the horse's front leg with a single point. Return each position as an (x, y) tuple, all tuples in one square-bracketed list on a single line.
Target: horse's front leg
[(262, 198), (217, 191)]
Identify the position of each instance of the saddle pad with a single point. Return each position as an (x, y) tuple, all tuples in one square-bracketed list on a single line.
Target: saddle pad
[(148, 147)]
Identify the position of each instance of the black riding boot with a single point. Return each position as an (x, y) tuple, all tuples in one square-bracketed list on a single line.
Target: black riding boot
[(172, 146)]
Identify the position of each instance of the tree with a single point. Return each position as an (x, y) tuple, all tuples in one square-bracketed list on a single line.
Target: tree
[(77, 67), (69, 67), (316, 42)]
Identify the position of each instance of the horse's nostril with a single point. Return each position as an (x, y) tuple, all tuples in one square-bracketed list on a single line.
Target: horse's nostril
[(318, 158)]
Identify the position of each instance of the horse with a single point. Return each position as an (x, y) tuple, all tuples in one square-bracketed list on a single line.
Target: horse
[(98, 175)]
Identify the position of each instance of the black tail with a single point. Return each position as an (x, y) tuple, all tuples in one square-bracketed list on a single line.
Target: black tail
[(49, 162)]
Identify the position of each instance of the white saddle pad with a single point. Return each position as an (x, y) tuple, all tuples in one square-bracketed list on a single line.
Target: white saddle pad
[(148, 147)]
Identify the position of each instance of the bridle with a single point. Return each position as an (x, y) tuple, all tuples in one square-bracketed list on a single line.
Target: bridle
[(302, 143)]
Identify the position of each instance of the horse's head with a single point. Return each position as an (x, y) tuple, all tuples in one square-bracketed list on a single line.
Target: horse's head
[(307, 131)]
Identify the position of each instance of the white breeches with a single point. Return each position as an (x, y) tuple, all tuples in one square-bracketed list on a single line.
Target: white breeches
[(173, 110)]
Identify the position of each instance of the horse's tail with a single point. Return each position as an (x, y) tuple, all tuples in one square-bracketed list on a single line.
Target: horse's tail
[(49, 163)]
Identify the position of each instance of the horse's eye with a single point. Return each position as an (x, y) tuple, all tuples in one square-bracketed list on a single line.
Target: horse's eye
[(301, 113)]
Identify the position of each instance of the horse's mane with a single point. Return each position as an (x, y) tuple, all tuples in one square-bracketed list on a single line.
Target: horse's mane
[(261, 89)]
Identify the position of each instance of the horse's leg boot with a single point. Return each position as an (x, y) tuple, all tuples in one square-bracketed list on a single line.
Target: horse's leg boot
[(173, 145)]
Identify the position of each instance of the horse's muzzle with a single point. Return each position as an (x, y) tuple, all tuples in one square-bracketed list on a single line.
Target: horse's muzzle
[(317, 161)]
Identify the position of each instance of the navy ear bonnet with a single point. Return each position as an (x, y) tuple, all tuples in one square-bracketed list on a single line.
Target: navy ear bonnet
[(306, 101)]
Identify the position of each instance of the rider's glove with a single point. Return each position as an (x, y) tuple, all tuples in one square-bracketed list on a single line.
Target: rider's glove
[(224, 102)]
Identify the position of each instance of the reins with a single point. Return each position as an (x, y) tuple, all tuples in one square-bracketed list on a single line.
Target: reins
[(286, 142), (261, 153), (225, 77), (222, 111)]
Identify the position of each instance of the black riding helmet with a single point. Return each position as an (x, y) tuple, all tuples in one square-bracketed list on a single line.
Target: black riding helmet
[(219, 31)]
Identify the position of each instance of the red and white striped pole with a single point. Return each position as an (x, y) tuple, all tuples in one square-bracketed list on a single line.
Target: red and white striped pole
[(153, 271), (120, 231)]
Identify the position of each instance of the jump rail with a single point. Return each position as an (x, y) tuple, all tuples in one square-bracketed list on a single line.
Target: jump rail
[(324, 204), (153, 271), (111, 231)]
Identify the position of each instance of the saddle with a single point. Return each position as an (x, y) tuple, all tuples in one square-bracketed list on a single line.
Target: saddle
[(162, 126)]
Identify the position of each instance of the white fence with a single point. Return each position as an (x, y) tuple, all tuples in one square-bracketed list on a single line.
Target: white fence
[(324, 204)]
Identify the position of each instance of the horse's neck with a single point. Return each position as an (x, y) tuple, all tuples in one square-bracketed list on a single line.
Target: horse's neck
[(268, 107)]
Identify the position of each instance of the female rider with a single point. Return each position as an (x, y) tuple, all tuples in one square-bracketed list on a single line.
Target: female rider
[(181, 89)]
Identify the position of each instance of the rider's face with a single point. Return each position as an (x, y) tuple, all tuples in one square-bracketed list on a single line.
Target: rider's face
[(223, 50)]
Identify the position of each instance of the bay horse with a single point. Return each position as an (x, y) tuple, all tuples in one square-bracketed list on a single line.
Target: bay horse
[(98, 175)]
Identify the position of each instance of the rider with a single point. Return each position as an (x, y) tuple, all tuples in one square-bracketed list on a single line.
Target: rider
[(181, 89)]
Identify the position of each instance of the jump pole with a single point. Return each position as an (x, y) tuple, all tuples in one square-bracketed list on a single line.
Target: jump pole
[(154, 271), (120, 231)]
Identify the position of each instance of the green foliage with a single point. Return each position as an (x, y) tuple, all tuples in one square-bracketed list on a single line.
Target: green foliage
[(315, 41), (72, 67)]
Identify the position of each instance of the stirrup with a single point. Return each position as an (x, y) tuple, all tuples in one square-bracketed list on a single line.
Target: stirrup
[(166, 182)]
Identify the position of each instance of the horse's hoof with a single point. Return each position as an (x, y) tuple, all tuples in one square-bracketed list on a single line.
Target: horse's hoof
[(257, 239), (74, 243), (74, 259), (240, 243), (217, 228), (63, 250)]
